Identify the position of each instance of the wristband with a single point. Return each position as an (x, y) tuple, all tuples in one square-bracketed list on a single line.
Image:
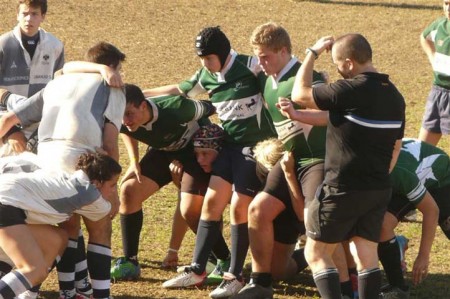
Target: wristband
[(316, 55), (172, 250)]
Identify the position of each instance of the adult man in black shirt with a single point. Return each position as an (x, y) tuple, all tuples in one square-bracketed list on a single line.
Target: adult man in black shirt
[(365, 127)]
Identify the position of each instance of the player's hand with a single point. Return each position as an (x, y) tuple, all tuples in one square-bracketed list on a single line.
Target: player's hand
[(171, 260), (286, 107), (323, 44), (17, 142), (176, 170), (111, 76), (134, 170), (420, 269)]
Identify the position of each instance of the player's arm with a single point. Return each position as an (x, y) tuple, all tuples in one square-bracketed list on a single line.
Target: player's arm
[(297, 198), (132, 146), (172, 89), (430, 212), (395, 154), (109, 74), (302, 91), (308, 116), (111, 140), (8, 121), (428, 47)]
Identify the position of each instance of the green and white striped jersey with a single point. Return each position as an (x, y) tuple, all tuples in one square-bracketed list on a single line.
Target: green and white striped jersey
[(439, 33), (234, 91), (175, 120), (305, 141), (420, 167)]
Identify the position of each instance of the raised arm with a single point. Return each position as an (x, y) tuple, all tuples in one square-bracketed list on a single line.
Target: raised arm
[(302, 92), (109, 74)]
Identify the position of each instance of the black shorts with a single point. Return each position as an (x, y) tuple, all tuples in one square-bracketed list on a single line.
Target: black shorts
[(399, 206), (335, 216), (236, 165), (287, 227), (10, 216), (155, 166)]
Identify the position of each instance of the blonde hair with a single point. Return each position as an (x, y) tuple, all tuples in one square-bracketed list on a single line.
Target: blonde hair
[(268, 152), (272, 36)]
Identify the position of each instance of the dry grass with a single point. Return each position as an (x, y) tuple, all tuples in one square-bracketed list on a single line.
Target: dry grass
[(158, 38)]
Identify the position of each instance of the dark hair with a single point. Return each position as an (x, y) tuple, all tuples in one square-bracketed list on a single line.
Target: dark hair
[(133, 95), (42, 4), (105, 53), (354, 46), (98, 166)]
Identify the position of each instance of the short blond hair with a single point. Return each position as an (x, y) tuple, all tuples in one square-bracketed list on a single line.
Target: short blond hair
[(272, 36), (268, 152)]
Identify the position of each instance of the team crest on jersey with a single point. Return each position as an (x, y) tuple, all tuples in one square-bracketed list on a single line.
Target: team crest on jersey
[(46, 57), (440, 43), (13, 65), (237, 86)]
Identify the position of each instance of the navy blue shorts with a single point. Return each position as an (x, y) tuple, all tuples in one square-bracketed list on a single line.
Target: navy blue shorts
[(10, 216), (436, 118)]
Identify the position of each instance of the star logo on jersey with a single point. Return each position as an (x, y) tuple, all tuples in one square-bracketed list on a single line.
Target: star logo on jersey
[(13, 65), (46, 57)]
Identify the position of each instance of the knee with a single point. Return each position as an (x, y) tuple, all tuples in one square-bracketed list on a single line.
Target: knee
[(100, 231)]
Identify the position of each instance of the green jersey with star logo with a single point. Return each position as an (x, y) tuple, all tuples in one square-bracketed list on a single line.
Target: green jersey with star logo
[(420, 167)]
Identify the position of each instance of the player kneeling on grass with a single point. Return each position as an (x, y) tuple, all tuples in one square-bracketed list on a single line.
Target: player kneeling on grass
[(30, 203), (421, 179)]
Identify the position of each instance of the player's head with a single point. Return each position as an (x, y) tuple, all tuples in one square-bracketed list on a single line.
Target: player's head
[(137, 109), (107, 54), (30, 15), (213, 48), (350, 52), (102, 171), (267, 153), (207, 142), (446, 6), (272, 45)]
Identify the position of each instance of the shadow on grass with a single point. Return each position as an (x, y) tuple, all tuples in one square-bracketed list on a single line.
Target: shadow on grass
[(378, 4)]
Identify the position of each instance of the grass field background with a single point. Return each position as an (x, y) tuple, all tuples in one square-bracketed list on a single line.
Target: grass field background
[(158, 38)]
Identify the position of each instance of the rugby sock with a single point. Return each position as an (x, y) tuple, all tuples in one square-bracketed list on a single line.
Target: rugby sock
[(13, 284), (346, 289), (131, 226), (369, 283), (261, 278), (239, 248), (389, 255), (207, 234), (4, 268), (66, 267), (220, 248), (327, 282), (299, 257), (81, 271), (99, 262)]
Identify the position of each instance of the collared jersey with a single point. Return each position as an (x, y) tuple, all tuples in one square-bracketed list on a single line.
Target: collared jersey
[(175, 119), (420, 167), (235, 93), (25, 76), (439, 33), (305, 141), (73, 109), (52, 198), (366, 117)]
